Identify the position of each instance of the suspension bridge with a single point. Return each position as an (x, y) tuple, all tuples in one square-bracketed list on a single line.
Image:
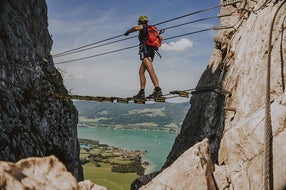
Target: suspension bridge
[(268, 169), (120, 38)]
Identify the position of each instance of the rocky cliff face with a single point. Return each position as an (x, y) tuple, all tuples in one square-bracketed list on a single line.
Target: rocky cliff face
[(40, 173), (221, 143), (31, 123), (228, 107)]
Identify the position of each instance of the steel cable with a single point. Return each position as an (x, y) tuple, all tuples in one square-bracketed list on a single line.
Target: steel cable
[(120, 40), (196, 12), (111, 38), (130, 47), (268, 149), (96, 55), (107, 39)]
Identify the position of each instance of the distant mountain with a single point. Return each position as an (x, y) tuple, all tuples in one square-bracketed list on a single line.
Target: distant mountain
[(154, 116)]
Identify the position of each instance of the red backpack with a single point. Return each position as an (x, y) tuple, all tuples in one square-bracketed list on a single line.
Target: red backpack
[(153, 37)]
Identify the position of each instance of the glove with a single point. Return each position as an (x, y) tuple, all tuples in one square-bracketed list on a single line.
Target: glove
[(126, 33)]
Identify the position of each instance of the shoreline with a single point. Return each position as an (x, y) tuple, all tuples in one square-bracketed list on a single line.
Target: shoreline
[(129, 129), (157, 143), (92, 151), (150, 168)]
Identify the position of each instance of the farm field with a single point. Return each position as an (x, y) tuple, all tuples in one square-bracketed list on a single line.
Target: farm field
[(109, 166)]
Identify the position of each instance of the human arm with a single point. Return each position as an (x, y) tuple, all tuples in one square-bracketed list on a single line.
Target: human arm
[(134, 29)]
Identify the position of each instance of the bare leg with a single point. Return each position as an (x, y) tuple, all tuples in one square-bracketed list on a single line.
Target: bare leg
[(149, 66), (142, 76)]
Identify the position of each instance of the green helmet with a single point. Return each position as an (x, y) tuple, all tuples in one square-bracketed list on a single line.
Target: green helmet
[(142, 19)]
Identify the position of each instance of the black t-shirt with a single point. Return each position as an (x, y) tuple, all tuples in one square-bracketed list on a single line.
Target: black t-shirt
[(143, 34)]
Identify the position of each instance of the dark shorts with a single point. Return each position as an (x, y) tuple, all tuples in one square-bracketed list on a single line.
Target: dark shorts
[(147, 52)]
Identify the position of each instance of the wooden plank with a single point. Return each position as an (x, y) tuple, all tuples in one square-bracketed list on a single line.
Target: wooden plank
[(139, 101), (160, 99), (122, 100), (184, 94)]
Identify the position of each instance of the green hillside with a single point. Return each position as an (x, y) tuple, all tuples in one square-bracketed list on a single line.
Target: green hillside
[(155, 116)]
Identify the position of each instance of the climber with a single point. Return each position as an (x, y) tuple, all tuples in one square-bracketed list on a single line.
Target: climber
[(147, 54)]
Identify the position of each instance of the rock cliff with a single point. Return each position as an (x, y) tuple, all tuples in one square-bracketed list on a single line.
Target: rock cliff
[(228, 106), (221, 143), (32, 123), (40, 173)]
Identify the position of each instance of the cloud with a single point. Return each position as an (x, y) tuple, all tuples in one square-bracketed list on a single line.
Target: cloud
[(180, 45)]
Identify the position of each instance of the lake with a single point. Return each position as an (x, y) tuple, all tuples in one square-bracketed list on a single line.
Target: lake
[(157, 143)]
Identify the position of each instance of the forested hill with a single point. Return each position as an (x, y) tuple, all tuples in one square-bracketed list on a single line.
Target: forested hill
[(154, 116)]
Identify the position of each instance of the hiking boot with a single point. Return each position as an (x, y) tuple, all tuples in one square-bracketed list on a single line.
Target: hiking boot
[(140, 95), (156, 93)]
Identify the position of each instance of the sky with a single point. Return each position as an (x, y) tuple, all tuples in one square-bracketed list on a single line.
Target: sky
[(75, 23)]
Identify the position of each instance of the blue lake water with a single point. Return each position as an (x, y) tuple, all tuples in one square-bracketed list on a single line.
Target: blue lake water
[(157, 143)]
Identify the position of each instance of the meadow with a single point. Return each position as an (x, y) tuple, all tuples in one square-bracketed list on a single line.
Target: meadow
[(104, 177)]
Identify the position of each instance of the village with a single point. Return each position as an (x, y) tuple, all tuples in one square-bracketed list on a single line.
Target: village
[(119, 160)]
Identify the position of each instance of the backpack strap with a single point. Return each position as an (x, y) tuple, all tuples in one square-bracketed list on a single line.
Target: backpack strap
[(156, 51), (143, 34)]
